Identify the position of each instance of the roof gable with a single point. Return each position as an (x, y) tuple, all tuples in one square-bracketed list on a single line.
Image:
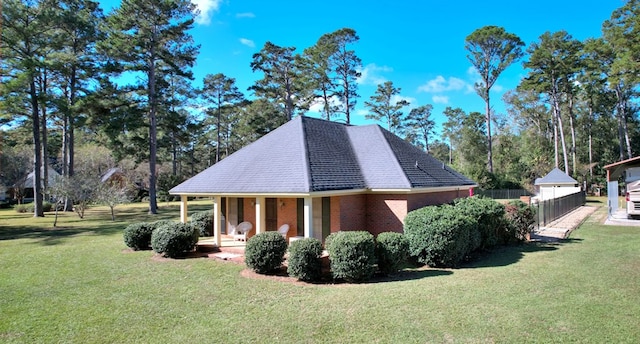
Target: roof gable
[(313, 155)]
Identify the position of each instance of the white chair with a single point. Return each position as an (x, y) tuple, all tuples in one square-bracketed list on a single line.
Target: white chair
[(242, 231), (283, 230)]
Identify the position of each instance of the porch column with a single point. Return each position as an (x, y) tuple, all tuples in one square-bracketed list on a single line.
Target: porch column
[(308, 217), (217, 215), (183, 209), (261, 223)]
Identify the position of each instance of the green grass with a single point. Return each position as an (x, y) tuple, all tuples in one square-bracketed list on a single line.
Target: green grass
[(76, 284)]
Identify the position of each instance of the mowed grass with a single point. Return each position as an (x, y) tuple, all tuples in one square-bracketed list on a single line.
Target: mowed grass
[(77, 284)]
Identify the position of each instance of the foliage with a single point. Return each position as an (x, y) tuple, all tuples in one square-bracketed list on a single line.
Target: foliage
[(392, 251), (82, 188), (304, 259), (439, 235), (384, 106), (138, 235), (174, 240), (521, 218), (29, 207), (202, 221), (265, 251), (489, 215), (352, 256), (112, 195)]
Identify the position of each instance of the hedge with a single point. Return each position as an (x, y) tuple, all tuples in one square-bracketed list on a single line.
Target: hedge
[(392, 251), (264, 252), (352, 256), (304, 260), (174, 239)]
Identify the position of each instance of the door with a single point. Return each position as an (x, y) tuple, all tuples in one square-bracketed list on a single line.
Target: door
[(271, 214)]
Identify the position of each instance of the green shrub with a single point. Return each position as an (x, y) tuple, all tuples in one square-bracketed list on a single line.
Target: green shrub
[(174, 239), (203, 222), (327, 240), (23, 208), (392, 251), (439, 235), (521, 219), (138, 236), (489, 214), (264, 252), (352, 256), (304, 259)]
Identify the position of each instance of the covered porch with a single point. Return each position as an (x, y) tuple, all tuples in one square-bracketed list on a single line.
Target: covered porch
[(304, 216)]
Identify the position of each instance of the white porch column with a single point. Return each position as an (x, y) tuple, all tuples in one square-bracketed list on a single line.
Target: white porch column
[(308, 217), (217, 215), (183, 209), (261, 221)]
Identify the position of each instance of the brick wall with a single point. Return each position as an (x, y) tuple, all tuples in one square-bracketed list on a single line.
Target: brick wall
[(385, 213), (416, 201), (352, 213)]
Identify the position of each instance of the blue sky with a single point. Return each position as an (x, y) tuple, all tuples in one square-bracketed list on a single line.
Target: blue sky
[(418, 45)]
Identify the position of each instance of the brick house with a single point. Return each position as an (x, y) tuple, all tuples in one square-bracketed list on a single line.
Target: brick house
[(321, 177)]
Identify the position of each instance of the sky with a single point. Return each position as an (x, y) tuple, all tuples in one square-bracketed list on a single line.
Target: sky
[(416, 44)]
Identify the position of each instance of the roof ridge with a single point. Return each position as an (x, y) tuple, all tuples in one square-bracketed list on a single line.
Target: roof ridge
[(381, 131), (305, 153)]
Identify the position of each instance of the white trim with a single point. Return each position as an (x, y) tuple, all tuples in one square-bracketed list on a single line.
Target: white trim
[(333, 193)]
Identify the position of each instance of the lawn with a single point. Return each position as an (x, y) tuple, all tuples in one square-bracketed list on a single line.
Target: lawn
[(77, 284)]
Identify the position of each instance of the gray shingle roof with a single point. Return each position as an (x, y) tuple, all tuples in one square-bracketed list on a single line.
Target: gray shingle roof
[(311, 155), (556, 176)]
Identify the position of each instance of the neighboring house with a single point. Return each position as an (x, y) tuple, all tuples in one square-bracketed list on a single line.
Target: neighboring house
[(555, 184), (321, 177), (114, 176), (26, 188)]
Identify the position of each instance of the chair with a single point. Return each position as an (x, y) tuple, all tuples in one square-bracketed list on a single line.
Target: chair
[(283, 230), (242, 231)]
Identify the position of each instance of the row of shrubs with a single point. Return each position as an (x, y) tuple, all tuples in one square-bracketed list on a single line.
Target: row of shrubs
[(443, 236), (438, 236), (29, 207), (354, 256), (169, 238)]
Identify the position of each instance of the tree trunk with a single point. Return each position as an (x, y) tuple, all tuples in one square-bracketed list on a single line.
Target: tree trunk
[(489, 145), (37, 161), (573, 135), (153, 206)]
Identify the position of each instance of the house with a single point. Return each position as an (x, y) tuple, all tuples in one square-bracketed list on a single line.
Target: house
[(556, 184), (321, 177), (630, 170), (26, 189)]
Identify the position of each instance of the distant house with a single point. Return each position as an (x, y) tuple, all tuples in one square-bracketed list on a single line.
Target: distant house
[(320, 177), (26, 188), (556, 184), (114, 176)]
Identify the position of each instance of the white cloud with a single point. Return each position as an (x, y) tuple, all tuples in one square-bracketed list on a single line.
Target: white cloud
[(207, 8), (397, 98), (440, 99), (245, 15), (370, 74), (247, 42), (440, 84)]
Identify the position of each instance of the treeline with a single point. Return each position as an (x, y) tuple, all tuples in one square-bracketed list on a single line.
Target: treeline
[(74, 79)]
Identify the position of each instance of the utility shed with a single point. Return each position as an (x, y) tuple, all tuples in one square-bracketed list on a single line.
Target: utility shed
[(556, 184)]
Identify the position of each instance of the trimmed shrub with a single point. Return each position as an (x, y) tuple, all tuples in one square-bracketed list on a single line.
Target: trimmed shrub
[(521, 218), (174, 239), (138, 235), (489, 214), (352, 256), (392, 251), (30, 207), (327, 240), (304, 259), (439, 236), (264, 252), (203, 222)]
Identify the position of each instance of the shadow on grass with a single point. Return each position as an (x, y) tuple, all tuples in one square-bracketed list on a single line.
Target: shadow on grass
[(507, 255)]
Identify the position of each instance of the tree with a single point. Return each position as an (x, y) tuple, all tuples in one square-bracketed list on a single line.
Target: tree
[(150, 37), (111, 195), (621, 32), (420, 120), (282, 83), (26, 30), (385, 105), (346, 64), (223, 96), (492, 50), (552, 63)]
